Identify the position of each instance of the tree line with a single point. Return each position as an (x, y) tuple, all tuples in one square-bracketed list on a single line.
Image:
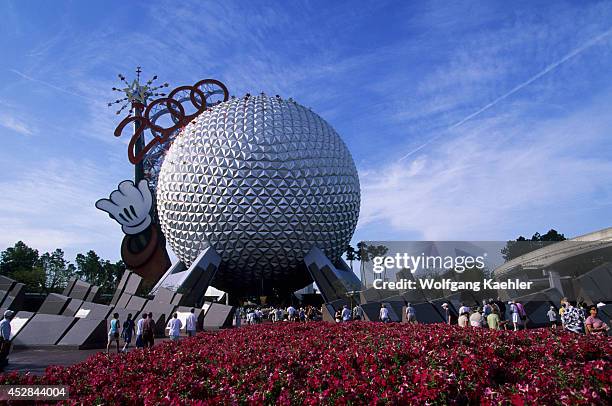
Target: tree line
[(49, 272), (522, 245)]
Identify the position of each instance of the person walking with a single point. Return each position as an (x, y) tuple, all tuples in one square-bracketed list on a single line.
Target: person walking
[(463, 320), (291, 311), (493, 320), (552, 317), (514, 314), (384, 314), (175, 325), (476, 319), (487, 307), (127, 332), (139, 341), (278, 314), (5, 337), (450, 317), (572, 318), (338, 316), (346, 313), (148, 331), (113, 333), (410, 314), (561, 311), (192, 321), (357, 312), (522, 314)]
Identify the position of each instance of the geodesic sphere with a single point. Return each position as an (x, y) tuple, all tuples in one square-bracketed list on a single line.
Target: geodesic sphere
[(262, 180)]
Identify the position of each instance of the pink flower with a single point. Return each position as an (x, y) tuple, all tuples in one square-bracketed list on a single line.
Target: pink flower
[(357, 363)]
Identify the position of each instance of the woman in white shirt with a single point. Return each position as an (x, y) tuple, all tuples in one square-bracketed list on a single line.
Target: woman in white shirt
[(175, 326)]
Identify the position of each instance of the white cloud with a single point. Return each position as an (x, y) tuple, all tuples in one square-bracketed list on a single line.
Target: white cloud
[(495, 178), (14, 124), (52, 206)]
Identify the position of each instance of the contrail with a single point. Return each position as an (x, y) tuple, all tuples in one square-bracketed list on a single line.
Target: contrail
[(52, 86), (549, 68)]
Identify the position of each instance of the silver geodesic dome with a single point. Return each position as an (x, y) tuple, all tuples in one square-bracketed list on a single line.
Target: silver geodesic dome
[(262, 180)]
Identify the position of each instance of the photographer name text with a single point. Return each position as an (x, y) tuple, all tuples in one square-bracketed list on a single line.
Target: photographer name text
[(449, 284)]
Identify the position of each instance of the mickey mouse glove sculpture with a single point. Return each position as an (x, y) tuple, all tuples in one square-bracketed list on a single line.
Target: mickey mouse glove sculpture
[(130, 206), (143, 248)]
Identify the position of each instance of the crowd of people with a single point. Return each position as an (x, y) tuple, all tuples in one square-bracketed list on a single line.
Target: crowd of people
[(495, 315), (144, 330), (346, 314), (580, 318), (492, 314), (499, 315), (257, 315)]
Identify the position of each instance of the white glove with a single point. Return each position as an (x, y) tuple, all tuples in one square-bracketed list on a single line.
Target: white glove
[(129, 206)]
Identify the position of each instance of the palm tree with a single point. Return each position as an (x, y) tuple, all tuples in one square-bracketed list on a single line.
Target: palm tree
[(351, 255), (382, 251), (378, 251), (363, 257)]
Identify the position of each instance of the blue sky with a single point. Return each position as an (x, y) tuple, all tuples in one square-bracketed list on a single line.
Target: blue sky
[(467, 120)]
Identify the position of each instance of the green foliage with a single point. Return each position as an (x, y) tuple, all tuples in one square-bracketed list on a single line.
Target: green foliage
[(351, 255), (34, 279), (50, 272), (56, 270), (89, 267), (365, 253), (103, 273), (361, 251), (22, 264), (19, 258), (521, 246)]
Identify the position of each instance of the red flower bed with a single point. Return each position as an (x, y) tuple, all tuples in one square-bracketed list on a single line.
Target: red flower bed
[(352, 363)]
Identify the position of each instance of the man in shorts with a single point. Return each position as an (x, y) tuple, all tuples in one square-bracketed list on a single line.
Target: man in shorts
[(113, 332)]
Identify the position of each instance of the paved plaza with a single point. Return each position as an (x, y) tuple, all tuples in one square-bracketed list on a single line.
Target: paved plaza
[(37, 360)]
